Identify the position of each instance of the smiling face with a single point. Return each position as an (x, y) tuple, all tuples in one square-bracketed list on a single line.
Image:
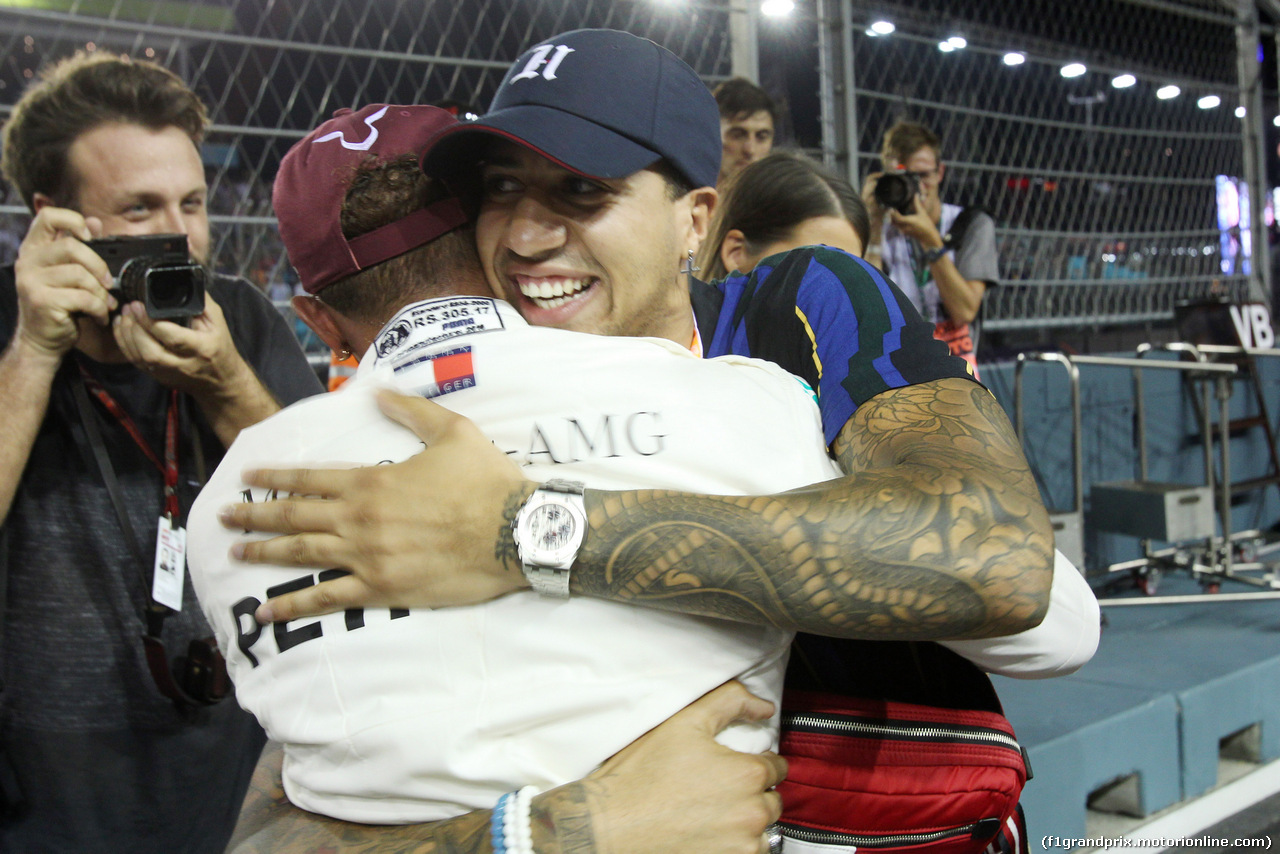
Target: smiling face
[(586, 254), (141, 181)]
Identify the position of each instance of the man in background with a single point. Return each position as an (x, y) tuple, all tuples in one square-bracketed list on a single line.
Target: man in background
[(112, 742), (942, 256), (748, 123)]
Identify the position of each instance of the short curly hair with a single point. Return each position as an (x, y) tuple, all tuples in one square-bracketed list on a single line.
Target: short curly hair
[(380, 193), (76, 95)]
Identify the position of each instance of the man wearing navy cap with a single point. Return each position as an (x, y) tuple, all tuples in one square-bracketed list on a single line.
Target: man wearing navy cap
[(591, 200), (931, 455)]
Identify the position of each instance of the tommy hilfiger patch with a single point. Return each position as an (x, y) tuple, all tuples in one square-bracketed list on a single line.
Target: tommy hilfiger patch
[(441, 373)]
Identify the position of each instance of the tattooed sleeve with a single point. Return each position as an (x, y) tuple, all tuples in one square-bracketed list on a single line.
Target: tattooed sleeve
[(936, 531)]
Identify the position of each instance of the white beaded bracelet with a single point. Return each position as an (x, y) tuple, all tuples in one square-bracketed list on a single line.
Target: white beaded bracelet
[(517, 832)]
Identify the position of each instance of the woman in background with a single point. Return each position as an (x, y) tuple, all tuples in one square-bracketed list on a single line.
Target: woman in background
[(780, 202)]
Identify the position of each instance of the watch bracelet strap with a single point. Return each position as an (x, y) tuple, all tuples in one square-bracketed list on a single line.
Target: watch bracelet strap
[(548, 581), (568, 487)]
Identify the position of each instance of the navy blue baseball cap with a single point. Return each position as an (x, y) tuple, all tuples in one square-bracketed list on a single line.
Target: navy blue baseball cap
[(602, 103)]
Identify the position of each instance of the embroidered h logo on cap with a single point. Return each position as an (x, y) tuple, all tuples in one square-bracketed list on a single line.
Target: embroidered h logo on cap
[(544, 62)]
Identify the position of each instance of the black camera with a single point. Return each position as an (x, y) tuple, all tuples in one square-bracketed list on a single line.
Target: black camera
[(197, 679), (202, 674), (155, 270), (897, 190)]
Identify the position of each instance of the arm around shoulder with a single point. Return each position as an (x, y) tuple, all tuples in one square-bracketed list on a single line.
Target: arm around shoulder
[(936, 531), (946, 491), (269, 824)]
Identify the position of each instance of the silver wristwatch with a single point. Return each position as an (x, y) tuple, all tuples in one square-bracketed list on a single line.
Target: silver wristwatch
[(549, 530)]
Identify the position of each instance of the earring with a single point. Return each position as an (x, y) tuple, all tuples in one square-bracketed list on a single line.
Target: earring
[(344, 354), (689, 268)]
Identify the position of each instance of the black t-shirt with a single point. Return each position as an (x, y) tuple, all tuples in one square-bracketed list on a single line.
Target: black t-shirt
[(104, 761)]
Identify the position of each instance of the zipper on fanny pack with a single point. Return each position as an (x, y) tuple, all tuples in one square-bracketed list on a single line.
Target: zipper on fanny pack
[(833, 724), (979, 829)]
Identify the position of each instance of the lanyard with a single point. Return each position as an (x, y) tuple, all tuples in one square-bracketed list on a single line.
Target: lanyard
[(169, 468), (200, 678), (918, 266)]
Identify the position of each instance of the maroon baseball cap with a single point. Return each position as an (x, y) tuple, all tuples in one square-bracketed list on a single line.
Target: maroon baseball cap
[(314, 177)]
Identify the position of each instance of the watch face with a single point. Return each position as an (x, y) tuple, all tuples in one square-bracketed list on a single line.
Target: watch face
[(552, 527)]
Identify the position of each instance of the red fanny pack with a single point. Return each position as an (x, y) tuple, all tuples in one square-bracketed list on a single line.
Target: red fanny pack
[(867, 771)]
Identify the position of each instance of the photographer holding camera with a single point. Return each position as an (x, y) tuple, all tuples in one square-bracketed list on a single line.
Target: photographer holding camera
[(112, 736), (942, 256)]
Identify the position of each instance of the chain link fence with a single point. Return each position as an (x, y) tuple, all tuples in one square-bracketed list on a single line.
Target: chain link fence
[(271, 71), (1106, 199)]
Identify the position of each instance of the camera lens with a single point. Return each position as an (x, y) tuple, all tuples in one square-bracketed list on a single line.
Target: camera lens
[(174, 291), (891, 191), (156, 270), (170, 287), (895, 190)]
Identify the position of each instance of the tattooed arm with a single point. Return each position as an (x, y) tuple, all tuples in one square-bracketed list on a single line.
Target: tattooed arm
[(675, 789), (269, 824), (936, 531)]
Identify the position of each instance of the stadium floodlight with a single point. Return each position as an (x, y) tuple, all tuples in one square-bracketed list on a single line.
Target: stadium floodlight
[(1123, 81), (1241, 112), (1164, 93), (881, 28), (1208, 102), (1072, 69), (777, 8), (946, 47), (1014, 58), (958, 42)]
